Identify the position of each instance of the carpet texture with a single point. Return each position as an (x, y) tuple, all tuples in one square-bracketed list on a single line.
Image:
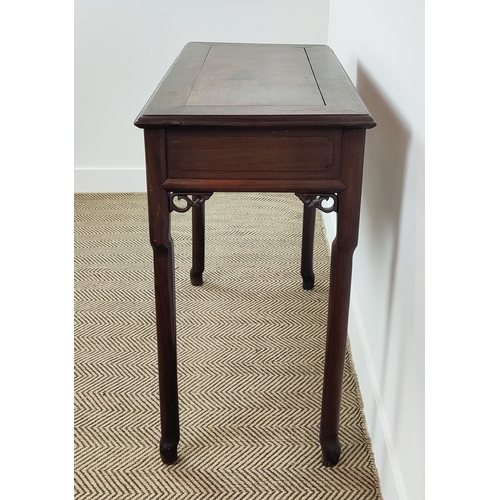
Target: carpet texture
[(250, 355)]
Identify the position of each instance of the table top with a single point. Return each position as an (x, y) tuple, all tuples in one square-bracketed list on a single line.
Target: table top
[(255, 85)]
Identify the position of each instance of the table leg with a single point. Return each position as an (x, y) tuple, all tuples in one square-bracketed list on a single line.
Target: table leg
[(340, 288), (163, 254), (340, 274), (198, 229), (306, 265), (167, 350)]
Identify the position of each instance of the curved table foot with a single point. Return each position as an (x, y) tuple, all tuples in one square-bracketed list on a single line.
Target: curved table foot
[(331, 454), (168, 452), (196, 278), (308, 282)]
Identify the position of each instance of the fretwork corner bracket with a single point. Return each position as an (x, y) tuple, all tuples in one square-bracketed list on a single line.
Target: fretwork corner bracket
[(320, 201), (186, 200)]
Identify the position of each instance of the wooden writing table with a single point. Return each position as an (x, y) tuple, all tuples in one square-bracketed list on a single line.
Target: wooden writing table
[(254, 117)]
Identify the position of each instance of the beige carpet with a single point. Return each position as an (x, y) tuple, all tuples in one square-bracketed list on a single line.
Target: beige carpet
[(250, 352)]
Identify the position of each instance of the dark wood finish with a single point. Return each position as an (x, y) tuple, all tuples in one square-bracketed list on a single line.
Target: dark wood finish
[(306, 263), (340, 104), (343, 248), (198, 246), (255, 117), (250, 75), (163, 254), (254, 185), (228, 153)]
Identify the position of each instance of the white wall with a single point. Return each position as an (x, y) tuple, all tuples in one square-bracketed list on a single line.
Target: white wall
[(124, 47), (381, 45)]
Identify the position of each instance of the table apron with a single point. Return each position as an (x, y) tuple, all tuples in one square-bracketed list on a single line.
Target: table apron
[(253, 154)]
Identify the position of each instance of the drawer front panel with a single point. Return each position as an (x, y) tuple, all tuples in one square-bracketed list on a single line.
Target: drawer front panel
[(217, 153)]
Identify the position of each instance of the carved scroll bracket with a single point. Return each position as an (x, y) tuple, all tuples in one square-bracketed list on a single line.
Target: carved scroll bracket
[(182, 202), (320, 201)]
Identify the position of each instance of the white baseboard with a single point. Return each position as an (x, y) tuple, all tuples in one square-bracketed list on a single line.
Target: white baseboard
[(110, 180), (380, 433)]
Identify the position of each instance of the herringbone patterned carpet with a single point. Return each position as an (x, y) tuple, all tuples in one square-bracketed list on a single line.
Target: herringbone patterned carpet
[(250, 349)]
